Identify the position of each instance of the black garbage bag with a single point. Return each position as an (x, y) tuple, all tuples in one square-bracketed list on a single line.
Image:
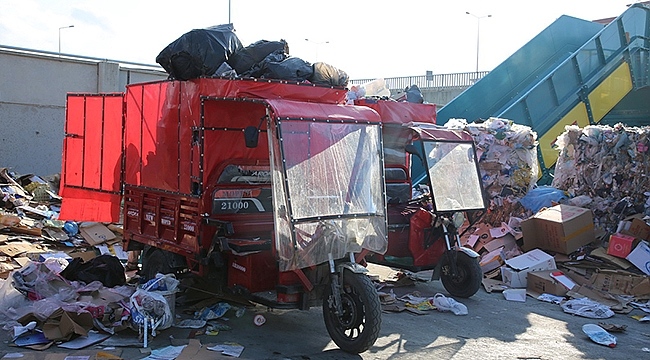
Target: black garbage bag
[(244, 59), (325, 74), (199, 52), (280, 66), (258, 70), (106, 269), (414, 95), (291, 69)]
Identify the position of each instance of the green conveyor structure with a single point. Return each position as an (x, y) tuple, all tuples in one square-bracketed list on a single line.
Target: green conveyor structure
[(574, 72)]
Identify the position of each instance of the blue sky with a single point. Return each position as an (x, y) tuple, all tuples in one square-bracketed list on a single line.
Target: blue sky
[(366, 39)]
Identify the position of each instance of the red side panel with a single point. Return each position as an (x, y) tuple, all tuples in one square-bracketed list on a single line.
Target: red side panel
[(92, 158), (393, 112)]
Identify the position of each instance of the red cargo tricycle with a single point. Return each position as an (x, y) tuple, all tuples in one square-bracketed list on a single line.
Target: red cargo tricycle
[(424, 231), (268, 185)]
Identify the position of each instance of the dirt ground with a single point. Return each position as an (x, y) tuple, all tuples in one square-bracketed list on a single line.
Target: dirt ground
[(493, 329)]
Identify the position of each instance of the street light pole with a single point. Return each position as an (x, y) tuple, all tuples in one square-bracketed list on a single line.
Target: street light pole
[(318, 43), (63, 27), (478, 33)]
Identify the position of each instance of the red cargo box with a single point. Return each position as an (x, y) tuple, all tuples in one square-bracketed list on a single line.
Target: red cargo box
[(255, 272)]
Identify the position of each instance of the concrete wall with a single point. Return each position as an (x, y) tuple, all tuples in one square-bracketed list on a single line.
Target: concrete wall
[(33, 88)]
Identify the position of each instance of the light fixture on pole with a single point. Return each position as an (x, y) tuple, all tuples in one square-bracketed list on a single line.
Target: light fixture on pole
[(318, 43), (62, 27), (478, 32)]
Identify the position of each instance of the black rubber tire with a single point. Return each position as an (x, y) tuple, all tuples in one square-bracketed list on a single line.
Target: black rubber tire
[(358, 328), (155, 261), (468, 279)]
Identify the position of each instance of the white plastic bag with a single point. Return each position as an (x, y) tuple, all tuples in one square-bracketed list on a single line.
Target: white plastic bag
[(586, 307), (444, 303), (599, 335), (151, 307)]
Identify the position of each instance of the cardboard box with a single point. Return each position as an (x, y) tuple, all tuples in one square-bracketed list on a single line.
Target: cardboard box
[(541, 282), (561, 228), (640, 257), (95, 233), (620, 245), (515, 273), (635, 226)]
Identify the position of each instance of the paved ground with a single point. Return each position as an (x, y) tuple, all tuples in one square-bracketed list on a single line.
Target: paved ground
[(493, 329)]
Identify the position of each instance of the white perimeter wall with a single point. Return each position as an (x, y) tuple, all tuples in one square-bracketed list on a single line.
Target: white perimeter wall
[(33, 90)]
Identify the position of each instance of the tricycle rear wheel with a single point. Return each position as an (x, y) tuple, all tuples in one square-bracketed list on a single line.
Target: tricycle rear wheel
[(357, 328), (467, 279)]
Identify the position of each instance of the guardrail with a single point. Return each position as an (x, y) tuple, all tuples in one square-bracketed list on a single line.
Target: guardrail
[(429, 81)]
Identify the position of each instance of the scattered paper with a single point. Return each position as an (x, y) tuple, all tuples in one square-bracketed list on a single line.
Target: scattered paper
[(515, 295), (167, 353), (230, 349), (19, 330)]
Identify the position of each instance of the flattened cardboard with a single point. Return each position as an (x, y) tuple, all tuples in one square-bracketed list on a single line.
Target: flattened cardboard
[(601, 253), (61, 325), (507, 242), (84, 341), (196, 351), (95, 233), (15, 248), (619, 282), (561, 228)]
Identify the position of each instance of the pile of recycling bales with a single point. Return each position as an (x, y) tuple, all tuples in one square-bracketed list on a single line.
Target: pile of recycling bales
[(605, 168), (507, 154)]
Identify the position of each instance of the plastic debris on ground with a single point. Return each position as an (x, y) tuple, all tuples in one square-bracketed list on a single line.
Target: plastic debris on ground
[(586, 307), (444, 303), (599, 335)]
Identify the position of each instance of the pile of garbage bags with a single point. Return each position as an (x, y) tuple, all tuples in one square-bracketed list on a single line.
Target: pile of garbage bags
[(216, 51), (507, 154), (605, 168)]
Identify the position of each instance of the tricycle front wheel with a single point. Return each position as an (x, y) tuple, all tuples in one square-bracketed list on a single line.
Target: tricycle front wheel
[(467, 279), (356, 329)]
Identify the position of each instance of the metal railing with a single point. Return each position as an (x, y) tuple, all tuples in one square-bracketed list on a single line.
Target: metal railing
[(453, 80)]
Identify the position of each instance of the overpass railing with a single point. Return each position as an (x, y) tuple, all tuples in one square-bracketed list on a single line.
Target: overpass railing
[(454, 80)]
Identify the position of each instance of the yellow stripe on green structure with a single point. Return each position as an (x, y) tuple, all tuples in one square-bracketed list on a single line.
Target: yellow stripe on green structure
[(577, 116), (610, 92), (601, 100)]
